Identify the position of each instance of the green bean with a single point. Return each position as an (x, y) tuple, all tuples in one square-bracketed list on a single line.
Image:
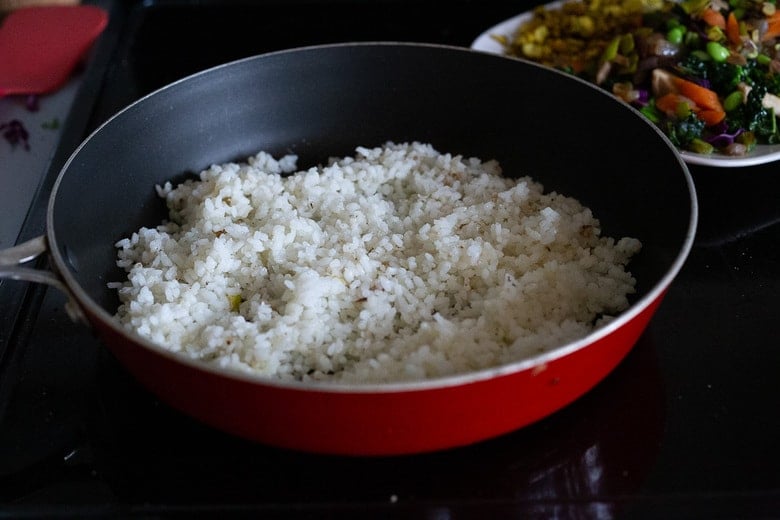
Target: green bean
[(627, 44), (699, 146), (611, 50), (748, 139), (683, 110), (700, 54), (651, 113)]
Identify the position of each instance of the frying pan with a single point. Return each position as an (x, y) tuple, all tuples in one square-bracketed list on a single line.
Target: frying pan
[(323, 101)]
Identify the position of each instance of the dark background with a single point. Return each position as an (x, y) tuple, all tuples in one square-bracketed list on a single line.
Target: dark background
[(686, 427)]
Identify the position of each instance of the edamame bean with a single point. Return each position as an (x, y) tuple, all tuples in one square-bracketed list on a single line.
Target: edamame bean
[(732, 101), (675, 35), (717, 51)]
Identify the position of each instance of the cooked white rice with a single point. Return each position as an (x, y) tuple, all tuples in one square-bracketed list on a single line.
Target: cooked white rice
[(400, 263)]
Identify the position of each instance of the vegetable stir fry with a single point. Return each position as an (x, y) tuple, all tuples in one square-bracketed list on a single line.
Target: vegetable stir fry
[(707, 72)]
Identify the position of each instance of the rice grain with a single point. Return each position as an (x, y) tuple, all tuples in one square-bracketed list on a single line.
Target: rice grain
[(398, 263)]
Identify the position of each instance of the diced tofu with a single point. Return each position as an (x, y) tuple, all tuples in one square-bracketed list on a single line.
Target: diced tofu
[(661, 83), (770, 100)]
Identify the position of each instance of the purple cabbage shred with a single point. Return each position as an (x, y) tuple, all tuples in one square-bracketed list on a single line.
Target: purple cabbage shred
[(643, 96), (723, 139), (15, 133), (32, 102)]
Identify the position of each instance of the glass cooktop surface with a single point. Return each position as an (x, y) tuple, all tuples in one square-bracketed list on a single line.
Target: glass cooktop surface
[(685, 427)]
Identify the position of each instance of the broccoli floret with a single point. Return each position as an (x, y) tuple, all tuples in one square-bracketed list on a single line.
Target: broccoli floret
[(725, 77), (758, 74), (722, 76), (760, 120), (683, 131)]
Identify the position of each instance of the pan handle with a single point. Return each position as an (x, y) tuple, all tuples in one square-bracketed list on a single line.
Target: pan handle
[(11, 268)]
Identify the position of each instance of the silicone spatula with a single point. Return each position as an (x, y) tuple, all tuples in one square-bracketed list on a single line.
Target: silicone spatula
[(40, 46)]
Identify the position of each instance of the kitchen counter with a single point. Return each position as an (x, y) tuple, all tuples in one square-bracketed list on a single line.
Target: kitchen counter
[(685, 427)]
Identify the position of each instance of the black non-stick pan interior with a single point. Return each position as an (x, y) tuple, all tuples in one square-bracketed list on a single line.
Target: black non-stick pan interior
[(325, 101)]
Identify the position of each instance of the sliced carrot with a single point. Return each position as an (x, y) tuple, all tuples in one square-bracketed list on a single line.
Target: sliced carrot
[(670, 103), (732, 29), (702, 96), (577, 65), (711, 117), (773, 26), (772, 30), (713, 18)]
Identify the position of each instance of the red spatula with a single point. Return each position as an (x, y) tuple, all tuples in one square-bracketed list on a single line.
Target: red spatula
[(40, 46)]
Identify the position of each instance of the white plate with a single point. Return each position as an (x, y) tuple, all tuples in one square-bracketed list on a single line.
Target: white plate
[(763, 153)]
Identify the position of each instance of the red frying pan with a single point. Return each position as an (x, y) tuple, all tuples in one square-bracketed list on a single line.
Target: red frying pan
[(321, 102)]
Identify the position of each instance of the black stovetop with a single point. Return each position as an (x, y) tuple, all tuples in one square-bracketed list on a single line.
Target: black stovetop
[(686, 427)]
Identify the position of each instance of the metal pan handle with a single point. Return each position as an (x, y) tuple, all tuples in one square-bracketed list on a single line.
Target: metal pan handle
[(11, 268)]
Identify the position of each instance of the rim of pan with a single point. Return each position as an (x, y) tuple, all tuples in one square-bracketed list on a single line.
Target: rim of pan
[(441, 382)]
